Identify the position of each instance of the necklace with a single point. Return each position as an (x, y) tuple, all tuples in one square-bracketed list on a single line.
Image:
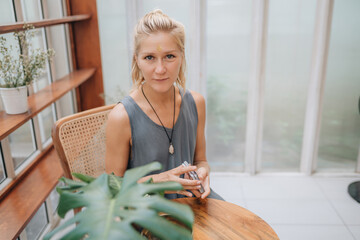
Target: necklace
[(171, 146)]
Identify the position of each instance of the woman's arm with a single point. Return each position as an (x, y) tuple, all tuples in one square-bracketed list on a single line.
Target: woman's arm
[(118, 145), (118, 137), (203, 168)]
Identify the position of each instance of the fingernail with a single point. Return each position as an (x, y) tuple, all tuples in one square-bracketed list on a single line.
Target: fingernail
[(198, 182)]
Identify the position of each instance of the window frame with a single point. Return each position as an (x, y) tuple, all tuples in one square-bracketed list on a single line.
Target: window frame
[(41, 145)]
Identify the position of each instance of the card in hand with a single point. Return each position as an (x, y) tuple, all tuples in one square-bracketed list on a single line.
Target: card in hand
[(193, 175)]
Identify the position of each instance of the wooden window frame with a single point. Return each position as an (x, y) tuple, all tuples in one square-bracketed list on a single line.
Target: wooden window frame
[(85, 79)]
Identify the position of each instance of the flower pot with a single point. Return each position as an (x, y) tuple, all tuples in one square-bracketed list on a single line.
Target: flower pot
[(14, 99)]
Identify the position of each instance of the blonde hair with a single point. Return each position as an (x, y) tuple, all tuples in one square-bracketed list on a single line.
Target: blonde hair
[(153, 22)]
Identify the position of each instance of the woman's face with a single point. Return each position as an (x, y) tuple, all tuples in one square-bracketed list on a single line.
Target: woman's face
[(159, 60)]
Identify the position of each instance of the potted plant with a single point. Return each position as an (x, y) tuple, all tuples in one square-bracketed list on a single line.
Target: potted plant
[(119, 208), (19, 67)]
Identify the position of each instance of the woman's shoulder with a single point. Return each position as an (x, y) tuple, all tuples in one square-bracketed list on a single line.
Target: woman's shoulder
[(118, 115), (118, 124), (198, 98), (122, 112)]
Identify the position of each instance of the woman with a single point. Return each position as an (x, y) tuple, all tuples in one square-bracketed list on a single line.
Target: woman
[(160, 120)]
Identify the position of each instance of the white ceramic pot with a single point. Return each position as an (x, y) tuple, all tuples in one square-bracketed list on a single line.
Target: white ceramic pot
[(14, 100)]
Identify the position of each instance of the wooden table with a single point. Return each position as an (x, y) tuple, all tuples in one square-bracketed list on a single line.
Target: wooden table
[(216, 219)]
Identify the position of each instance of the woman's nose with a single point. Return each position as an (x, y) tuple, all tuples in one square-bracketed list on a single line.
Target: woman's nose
[(160, 67)]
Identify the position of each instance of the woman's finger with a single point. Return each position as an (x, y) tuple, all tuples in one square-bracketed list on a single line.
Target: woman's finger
[(201, 172), (205, 194), (187, 182), (185, 193), (206, 188), (182, 169), (190, 187), (196, 193), (181, 192)]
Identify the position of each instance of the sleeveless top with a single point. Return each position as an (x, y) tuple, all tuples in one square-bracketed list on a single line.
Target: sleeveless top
[(150, 143), (149, 140)]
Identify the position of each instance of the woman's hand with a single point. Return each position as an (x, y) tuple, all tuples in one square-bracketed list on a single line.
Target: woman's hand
[(205, 182), (174, 174)]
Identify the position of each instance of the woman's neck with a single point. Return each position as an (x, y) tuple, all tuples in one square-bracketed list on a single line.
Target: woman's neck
[(158, 98)]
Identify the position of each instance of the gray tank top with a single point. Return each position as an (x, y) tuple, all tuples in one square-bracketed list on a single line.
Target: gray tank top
[(150, 143), (149, 140)]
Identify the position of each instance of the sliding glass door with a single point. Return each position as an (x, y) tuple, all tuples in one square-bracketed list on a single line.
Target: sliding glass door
[(261, 57), (340, 124), (228, 36)]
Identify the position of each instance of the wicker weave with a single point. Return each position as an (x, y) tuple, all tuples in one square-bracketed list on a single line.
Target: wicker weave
[(79, 140)]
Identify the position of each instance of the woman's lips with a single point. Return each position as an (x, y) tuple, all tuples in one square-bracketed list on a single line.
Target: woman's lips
[(161, 79)]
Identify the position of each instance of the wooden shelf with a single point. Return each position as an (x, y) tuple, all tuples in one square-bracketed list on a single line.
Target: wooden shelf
[(42, 99), (21, 203), (6, 28)]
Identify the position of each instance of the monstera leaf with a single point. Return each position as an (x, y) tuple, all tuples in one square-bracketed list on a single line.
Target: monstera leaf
[(115, 208)]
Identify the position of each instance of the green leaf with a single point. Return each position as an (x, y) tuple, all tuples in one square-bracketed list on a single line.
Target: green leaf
[(114, 205), (133, 175), (71, 185), (84, 178), (115, 183)]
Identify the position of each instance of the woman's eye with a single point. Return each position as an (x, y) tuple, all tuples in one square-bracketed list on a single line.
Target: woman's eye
[(149, 58), (170, 56)]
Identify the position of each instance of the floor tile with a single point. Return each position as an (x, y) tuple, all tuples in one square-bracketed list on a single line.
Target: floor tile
[(281, 187), (227, 187), (304, 211), (308, 232), (348, 209), (335, 187), (355, 230)]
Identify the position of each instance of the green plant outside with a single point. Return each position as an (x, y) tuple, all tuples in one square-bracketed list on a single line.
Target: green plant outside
[(113, 205)]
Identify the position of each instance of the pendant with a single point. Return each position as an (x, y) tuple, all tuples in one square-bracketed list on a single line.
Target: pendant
[(171, 149)]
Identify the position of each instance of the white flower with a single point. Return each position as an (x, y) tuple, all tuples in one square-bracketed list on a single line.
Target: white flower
[(20, 68)]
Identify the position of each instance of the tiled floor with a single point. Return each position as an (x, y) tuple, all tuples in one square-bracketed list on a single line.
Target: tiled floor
[(296, 207)]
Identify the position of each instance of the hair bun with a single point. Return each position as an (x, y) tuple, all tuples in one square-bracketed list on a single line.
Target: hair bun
[(156, 11)]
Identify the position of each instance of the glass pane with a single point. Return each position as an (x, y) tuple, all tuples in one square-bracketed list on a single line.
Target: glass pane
[(22, 143), (12, 46), (66, 105), (54, 9), (340, 125), (60, 66), (37, 224), (289, 46), (57, 41), (38, 42), (7, 16), (228, 38), (54, 197), (6, 12), (114, 49), (2, 167), (46, 121), (31, 10)]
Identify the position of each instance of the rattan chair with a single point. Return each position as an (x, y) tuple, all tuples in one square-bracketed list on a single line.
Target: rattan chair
[(79, 140)]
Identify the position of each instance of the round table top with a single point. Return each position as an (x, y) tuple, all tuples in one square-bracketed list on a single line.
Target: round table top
[(216, 219)]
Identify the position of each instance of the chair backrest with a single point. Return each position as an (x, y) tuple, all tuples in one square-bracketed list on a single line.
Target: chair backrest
[(79, 140)]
